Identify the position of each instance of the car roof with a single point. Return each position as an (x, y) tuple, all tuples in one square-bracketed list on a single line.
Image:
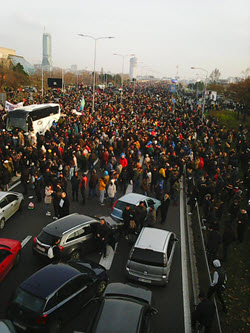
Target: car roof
[(130, 291), (49, 279), (57, 228), (119, 313), (152, 238), (133, 198), (4, 193)]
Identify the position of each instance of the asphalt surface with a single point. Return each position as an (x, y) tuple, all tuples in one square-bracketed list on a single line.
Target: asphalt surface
[(168, 300)]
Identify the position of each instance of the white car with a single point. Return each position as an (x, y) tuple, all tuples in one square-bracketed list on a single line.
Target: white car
[(10, 202)]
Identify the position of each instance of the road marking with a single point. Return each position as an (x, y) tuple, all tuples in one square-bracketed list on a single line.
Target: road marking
[(186, 303), (107, 262), (25, 241), (13, 186)]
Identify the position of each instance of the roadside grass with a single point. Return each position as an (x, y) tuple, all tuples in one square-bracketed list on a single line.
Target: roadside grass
[(229, 119)]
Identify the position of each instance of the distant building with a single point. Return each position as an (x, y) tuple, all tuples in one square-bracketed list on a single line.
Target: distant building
[(47, 57), (133, 68), (73, 69), (8, 57)]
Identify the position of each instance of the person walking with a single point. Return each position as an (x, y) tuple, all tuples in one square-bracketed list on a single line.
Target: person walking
[(83, 187), (63, 205), (204, 313), (48, 199), (111, 191), (38, 186), (165, 202), (219, 283), (102, 234), (140, 215), (93, 180), (102, 187), (151, 218), (242, 221), (75, 182), (213, 243), (127, 216)]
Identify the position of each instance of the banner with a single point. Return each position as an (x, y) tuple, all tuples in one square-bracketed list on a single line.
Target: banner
[(81, 108), (10, 107)]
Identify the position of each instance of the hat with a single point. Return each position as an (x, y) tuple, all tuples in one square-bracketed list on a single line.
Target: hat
[(6, 161), (106, 173), (216, 263)]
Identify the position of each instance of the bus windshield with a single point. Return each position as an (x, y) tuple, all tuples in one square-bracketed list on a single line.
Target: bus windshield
[(17, 120)]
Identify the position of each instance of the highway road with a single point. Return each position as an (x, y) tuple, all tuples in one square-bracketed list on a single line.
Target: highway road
[(27, 224)]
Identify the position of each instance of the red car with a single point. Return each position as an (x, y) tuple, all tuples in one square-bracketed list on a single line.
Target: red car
[(10, 252)]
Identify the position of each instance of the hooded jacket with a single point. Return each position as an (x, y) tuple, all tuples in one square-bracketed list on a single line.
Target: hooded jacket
[(220, 277)]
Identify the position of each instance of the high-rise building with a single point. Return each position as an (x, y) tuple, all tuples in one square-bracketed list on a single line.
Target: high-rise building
[(47, 58), (133, 68)]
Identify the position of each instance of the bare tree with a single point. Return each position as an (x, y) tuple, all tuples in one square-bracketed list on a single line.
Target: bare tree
[(215, 75)]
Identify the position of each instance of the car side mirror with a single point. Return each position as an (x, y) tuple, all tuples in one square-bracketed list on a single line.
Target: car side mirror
[(176, 240)]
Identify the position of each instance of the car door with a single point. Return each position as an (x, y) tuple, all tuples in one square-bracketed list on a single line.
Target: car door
[(170, 252), (80, 238), (4, 209), (6, 262), (12, 203)]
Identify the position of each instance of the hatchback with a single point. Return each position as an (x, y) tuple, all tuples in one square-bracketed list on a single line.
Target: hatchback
[(10, 202), (124, 308), (54, 294), (133, 199)]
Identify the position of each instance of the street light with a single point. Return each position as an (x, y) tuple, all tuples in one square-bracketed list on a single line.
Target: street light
[(95, 39), (203, 105), (123, 56)]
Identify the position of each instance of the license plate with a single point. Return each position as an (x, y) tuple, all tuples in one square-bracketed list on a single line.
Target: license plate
[(40, 248), (144, 280), (20, 326)]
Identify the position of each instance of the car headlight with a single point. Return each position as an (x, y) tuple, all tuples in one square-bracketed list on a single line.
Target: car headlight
[(164, 276), (127, 269)]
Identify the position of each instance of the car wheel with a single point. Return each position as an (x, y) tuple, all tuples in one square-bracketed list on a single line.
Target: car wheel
[(21, 206), (101, 287), (18, 257), (55, 326), (75, 255), (2, 222)]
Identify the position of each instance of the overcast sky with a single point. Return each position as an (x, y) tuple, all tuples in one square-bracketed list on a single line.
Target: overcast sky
[(161, 33)]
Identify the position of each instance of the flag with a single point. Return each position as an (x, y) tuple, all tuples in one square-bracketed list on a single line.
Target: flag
[(82, 104), (10, 107)]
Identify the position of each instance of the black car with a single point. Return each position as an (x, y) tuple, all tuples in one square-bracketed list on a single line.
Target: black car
[(69, 237), (55, 294), (124, 308)]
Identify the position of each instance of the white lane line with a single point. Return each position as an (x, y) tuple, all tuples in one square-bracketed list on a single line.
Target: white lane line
[(13, 186), (107, 262), (186, 303), (25, 241)]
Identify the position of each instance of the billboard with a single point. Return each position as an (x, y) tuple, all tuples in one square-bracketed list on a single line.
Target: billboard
[(54, 83)]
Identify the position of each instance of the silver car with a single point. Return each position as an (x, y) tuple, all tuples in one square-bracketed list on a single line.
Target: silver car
[(133, 199), (10, 202), (151, 256)]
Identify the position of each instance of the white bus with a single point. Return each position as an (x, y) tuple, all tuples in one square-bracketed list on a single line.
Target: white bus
[(37, 118)]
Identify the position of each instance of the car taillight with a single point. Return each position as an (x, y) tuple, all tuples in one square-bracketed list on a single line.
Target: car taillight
[(42, 319), (34, 239), (114, 205), (164, 259), (60, 247)]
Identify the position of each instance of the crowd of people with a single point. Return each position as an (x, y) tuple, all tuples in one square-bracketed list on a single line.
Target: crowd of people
[(150, 141)]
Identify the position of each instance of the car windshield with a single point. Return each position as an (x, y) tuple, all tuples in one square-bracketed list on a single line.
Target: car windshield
[(29, 301), (46, 238), (148, 257), (121, 205)]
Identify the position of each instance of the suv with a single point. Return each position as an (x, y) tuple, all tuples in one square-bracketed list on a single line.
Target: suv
[(55, 294), (151, 256), (71, 235), (124, 308)]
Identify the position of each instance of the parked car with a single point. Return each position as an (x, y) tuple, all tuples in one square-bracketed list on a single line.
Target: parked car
[(72, 235), (10, 253), (133, 199), (10, 202), (6, 326), (55, 294), (124, 308), (151, 256)]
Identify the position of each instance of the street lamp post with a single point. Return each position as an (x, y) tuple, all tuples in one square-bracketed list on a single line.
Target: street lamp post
[(205, 87), (95, 39)]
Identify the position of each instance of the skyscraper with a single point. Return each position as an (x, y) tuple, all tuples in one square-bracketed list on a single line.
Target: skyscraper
[(133, 68), (47, 59)]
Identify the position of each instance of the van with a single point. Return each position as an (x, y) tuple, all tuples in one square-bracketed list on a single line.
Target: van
[(151, 256)]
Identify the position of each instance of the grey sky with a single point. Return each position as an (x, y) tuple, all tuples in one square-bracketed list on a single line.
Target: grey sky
[(161, 33)]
